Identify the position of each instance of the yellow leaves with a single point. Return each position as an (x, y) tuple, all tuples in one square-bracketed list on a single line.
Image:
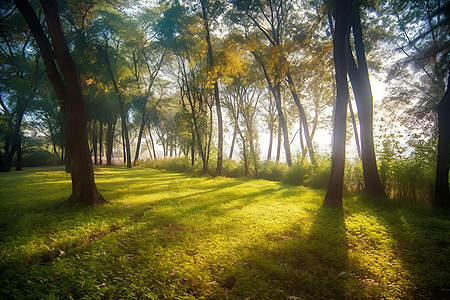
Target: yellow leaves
[(89, 81), (231, 62), (277, 63)]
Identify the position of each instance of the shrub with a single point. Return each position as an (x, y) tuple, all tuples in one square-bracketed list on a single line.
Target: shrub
[(271, 170), (320, 173), (299, 173), (33, 157), (232, 169)]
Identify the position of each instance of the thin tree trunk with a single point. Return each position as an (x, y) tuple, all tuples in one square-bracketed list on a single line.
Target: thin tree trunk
[(442, 197), (193, 146), (94, 141), (123, 113), (233, 141), (269, 151), (1, 162), (101, 141), (124, 150), (216, 92), (278, 144), (355, 129), (335, 185), (302, 145), (109, 142), (302, 113), (151, 139), (149, 149), (19, 157), (276, 92), (141, 131)]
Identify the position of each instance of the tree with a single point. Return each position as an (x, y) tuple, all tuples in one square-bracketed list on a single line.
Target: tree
[(216, 89), (426, 48), (359, 78), (275, 14), (341, 35), (19, 82), (68, 89)]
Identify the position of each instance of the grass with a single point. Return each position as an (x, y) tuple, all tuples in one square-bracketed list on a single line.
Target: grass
[(176, 236)]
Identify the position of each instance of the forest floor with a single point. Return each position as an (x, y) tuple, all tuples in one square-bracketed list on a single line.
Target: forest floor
[(178, 236)]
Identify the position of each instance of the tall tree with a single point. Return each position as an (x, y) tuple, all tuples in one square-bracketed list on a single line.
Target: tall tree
[(359, 78), (342, 12), (67, 86), (216, 89)]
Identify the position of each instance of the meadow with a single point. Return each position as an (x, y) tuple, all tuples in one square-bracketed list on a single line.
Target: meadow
[(168, 235)]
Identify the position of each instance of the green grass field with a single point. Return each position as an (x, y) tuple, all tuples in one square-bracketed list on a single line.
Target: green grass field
[(178, 236)]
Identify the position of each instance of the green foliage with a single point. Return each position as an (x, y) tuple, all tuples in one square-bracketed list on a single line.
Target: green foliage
[(408, 177), (33, 157), (176, 236), (271, 170), (177, 164)]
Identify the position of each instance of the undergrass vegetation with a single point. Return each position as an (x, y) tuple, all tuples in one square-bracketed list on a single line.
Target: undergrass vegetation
[(169, 235)]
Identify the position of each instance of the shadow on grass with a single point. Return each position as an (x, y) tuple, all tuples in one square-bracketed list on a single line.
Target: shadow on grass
[(298, 263), (422, 242)]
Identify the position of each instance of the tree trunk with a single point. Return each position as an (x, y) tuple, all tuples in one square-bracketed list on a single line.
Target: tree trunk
[(278, 143), (269, 152), (94, 141), (442, 197), (101, 141), (15, 143), (141, 131), (335, 185), (1, 162), (123, 113), (275, 89), (70, 96), (19, 157), (359, 77), (302, 115), (193, 146), (355, 129), (151, 139), (216, 92), (244, 151), (233, 141), (110, 141)]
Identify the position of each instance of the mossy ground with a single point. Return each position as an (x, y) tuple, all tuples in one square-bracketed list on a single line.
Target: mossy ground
[(178, 236)]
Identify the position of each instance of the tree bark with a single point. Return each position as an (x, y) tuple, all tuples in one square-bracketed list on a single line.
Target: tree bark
[(233, 141), (335, 185), (19, 157), (110, 141), (216, 93), (302, 113), (277, 159), (355, 129), (100, 150), (269, 152), (442, 197), (70, 96), (359, 78), (141, 131), (123, 113)]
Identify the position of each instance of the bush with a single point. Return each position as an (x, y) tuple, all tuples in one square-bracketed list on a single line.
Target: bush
[(271, 170), (231, 168), (34, 157), (321, 173), (299, 173), (177, 164)]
